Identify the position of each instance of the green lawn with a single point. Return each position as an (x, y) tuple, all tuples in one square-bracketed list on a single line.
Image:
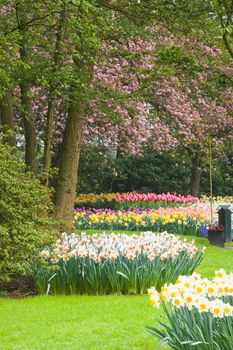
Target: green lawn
[(89, 323)]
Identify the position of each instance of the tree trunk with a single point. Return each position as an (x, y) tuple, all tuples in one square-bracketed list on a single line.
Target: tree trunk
[(52, 97), (7, 118), (29, 128), (49, 136), (196, 176), (68, 169), (83, 63), (25, 86)]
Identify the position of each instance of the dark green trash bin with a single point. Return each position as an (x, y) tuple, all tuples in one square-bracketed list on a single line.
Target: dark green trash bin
[(224, 219)]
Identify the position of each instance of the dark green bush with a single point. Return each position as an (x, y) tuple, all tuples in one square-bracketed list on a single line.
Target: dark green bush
[(96, 170), (151, 172), (24, 215)]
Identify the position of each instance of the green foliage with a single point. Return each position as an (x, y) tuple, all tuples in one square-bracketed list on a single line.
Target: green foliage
[(222, 174), (151, 172), (214, 85), (122, 276), (24, 220), (95, 161), (176, 56)]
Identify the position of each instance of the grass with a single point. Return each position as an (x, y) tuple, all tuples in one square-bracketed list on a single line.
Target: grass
[(76, 322), (87, 322), (214, 259)]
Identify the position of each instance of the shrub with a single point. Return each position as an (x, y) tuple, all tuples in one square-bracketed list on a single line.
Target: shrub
[(151, 172), (24, 208), (163, 173)]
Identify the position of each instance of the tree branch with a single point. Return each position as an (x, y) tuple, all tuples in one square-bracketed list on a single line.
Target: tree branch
[(31, 21), (227, 44)]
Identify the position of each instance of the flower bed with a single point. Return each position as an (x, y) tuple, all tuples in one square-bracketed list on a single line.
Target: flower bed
[(218, 199), (133, 200), (199, 312), (102, 200), (176, 220), (113, 263)]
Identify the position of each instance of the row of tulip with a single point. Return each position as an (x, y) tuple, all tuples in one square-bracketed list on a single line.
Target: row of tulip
[(199, 312), (113, 263), (176, 220), (218, 199), (133, 200), (152, 197)]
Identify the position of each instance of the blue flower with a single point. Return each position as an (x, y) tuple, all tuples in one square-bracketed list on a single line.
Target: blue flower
[(204, 231)]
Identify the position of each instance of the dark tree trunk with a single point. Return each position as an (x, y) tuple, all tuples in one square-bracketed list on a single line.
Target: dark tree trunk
[(52, 98), (71, 145), (29, 128), (25, 87), (83, 61), (68, 169), (196, 176), (7, 118)]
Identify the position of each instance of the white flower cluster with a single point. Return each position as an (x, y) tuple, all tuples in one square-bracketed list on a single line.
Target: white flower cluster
[(111, 246), (199, 293)]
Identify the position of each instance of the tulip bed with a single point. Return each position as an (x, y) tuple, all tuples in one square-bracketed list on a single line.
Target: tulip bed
[(186, 221), (113, 263), (199, 312), (133, 200)]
